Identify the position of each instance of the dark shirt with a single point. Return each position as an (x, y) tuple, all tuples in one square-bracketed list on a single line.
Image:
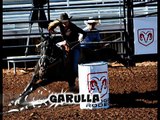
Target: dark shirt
[(71, 34)]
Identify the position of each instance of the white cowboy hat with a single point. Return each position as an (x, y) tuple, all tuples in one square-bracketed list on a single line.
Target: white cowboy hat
[(91, 21)]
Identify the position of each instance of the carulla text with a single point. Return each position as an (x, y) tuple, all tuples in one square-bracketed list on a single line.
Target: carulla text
[(69, 98)]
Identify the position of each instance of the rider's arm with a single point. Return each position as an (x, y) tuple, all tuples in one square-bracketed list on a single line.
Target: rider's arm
[(82, 34), (53, 25), (98, 38)]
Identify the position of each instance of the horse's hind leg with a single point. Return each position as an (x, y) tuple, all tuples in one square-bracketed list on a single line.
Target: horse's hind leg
[(119, 58)]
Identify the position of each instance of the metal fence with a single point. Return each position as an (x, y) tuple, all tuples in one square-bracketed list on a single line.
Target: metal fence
[(113, 16)]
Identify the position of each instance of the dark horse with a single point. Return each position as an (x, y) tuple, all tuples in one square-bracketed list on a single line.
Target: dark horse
[(54, 65)]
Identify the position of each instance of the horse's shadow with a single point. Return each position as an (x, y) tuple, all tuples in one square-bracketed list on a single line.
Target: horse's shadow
[(134, 100)]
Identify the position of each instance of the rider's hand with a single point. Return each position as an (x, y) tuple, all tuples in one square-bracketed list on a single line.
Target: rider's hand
[(80, 37), (62, 43), (80, 40)]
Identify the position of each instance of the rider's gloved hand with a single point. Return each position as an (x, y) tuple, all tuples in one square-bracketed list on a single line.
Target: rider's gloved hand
[(62, 43), (80, 37)]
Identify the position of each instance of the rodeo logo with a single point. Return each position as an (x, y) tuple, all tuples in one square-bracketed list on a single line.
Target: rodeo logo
[(145, 36), (98, 83)]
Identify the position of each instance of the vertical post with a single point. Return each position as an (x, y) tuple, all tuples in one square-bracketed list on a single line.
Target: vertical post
[(48, 10), (67, 3), (8, 62), (158, 58), (28, 38), (14, 66), (130, 30), (126, 38), (121, 32)]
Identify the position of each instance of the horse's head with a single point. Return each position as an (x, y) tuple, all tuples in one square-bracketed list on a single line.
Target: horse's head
[(49, 53), (49, 47)]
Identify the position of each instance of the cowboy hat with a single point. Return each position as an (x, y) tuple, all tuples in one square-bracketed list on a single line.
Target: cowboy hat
[(64, 17), (91, 21)]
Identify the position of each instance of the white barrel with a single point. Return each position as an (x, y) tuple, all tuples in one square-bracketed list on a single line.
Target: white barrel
[(93, 78)]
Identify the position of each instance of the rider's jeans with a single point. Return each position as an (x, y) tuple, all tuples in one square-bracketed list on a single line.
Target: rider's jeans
[(76, 54)]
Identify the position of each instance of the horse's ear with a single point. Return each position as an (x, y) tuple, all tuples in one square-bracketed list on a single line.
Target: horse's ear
[(42, 37)]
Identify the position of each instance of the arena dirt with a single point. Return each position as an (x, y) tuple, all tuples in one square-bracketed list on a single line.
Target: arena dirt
[(133, 96)]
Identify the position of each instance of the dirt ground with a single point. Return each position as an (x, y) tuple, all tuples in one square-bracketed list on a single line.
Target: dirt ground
[(132, 96)]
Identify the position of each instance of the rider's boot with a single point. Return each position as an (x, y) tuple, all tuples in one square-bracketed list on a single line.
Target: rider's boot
[(71, 88)]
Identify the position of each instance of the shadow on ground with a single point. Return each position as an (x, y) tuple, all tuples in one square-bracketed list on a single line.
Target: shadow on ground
[(134, 100)]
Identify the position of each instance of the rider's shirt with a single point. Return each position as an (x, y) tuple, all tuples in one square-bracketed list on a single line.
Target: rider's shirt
[(92, 36), (71, 33)]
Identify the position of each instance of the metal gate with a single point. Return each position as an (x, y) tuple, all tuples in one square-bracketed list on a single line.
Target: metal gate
[(116, 17)]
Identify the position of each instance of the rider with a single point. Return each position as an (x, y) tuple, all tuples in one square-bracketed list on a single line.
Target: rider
[(71, 35), (92, 33)]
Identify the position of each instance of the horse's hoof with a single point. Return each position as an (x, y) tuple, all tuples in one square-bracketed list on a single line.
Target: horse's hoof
[(11, 103), (18, 101), (72, 89)]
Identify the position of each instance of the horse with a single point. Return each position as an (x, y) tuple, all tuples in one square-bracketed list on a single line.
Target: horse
[(53, 65)]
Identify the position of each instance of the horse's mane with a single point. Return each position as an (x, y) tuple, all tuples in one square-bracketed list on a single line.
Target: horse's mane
[(49, 47)]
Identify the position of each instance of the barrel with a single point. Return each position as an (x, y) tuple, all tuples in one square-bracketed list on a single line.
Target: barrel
[(93, 78)]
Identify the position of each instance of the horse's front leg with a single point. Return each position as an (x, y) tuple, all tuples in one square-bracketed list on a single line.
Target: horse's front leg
[(27, 91)]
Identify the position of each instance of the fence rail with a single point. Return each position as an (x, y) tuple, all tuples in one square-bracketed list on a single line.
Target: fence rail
[(111, 13), (80, 10)]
